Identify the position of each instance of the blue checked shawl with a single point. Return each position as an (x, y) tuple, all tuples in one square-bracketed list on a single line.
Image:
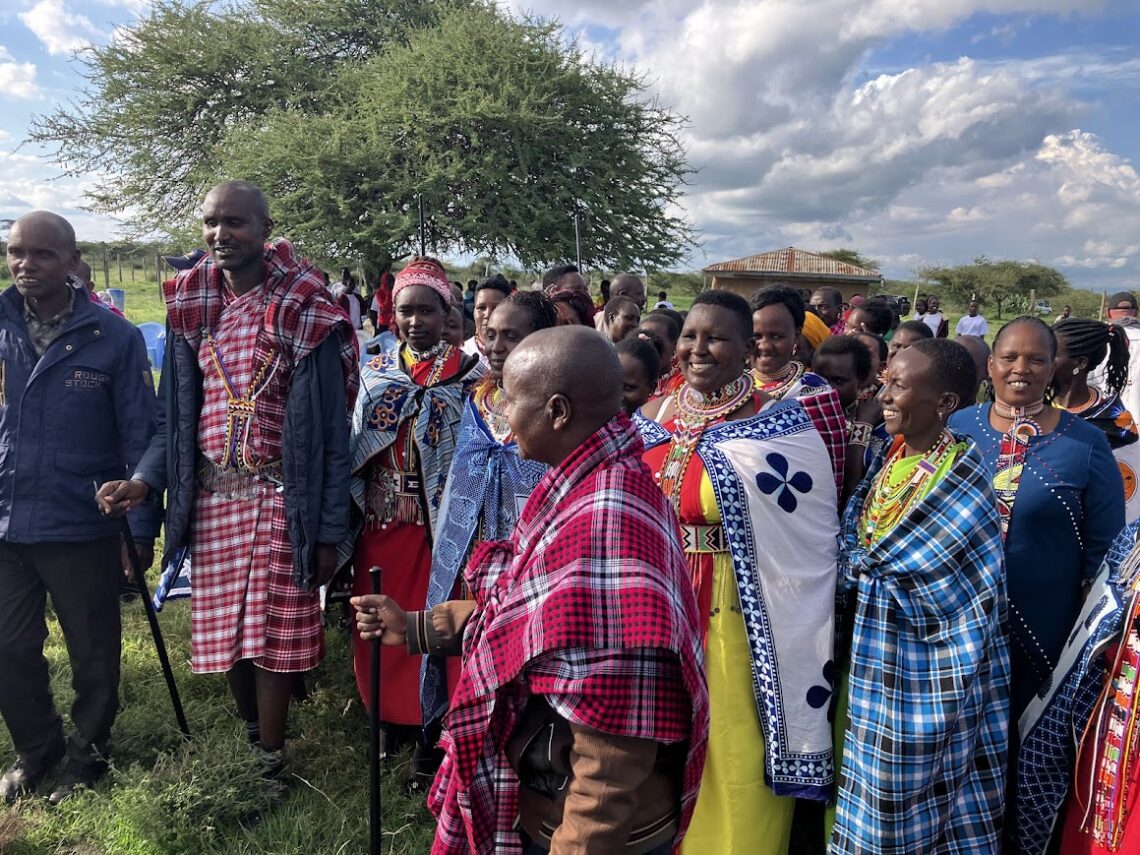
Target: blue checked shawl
[(388, 397), (775, 488), (924, 756), (486, 489), (1055, 719)]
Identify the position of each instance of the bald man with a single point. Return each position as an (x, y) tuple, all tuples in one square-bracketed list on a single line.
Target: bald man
[(630, 286), (626, 285), (259, 374), (76, 404), (590, 640)]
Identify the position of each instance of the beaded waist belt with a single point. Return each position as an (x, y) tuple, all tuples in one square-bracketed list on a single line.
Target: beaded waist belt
[(703, 538), (240, 483), (393, 496)]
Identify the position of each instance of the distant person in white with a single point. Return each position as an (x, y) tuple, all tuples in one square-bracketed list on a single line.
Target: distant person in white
[(972, 323), (933, 318), (662, 301), (1121, 309)]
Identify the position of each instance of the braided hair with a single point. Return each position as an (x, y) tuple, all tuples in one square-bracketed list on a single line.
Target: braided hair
[(541, 309), (1093, 340)]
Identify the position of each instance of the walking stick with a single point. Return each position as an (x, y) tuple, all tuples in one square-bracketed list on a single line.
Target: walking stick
[(155, 630), (374, 735)]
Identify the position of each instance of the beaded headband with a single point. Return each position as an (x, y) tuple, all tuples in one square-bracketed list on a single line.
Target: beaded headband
[(426, 272)]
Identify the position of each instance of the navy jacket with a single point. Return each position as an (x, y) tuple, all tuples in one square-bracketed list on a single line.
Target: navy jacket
[(81, 414), (314, 454)]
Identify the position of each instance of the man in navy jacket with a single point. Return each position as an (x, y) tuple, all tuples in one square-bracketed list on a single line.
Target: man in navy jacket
[(77, 408)]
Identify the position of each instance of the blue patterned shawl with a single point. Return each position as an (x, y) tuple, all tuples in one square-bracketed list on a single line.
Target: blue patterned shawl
[(924, 757), (486, 489), (775, 488), (1055, 719), (388, 397)]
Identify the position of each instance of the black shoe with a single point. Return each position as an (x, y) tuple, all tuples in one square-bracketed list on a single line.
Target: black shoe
[(76, 775), (23, 777)]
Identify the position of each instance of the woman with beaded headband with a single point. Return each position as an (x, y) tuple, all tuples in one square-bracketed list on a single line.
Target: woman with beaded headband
[(1081, 346), (404, 429), (1060, 499), (924, 728), (488, 482), (755, 492), (777, 321)]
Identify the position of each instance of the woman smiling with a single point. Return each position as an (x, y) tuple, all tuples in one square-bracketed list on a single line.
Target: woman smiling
[(1059, 494), (755, 493), (777, 320), (921, 566)]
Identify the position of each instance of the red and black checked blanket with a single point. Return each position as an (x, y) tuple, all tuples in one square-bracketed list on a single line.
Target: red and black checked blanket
[(589, 605), (299, 311)]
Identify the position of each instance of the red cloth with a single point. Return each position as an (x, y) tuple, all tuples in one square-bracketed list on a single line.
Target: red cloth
[(244, 604), (590, 606), (405, 554), (826, 412), (1074, 841), (299, 312), (385, 313)]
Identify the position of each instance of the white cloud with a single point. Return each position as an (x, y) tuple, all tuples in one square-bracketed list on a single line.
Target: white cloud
[(796, 143), (61, 31), (17, 79)]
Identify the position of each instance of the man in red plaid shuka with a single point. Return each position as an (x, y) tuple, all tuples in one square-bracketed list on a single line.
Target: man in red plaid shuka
[(252, 449), (580, 719)]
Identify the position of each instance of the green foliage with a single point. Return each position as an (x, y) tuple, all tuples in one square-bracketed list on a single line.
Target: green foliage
[(347, 110), (851, 256), (1085, 304), (996, 283), (502, 129)]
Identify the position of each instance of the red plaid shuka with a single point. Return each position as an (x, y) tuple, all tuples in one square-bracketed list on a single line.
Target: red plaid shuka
[(299, 311), (588, 605), (245, 603)]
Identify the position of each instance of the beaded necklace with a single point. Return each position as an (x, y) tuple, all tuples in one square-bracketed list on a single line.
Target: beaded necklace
[(777, 385), (441, 352), (1015, 413), (1094, 400), (888, 503), (1011, 456), (488, 398), (694, 413)]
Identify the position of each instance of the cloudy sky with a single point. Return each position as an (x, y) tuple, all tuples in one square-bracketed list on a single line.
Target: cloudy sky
[(917, 131)]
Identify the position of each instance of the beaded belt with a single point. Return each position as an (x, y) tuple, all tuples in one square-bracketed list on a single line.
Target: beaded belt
[(703, 538), (394, 496), (242, 483)]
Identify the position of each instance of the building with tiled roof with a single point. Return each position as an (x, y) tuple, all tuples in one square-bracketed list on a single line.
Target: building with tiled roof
[(796, 267)]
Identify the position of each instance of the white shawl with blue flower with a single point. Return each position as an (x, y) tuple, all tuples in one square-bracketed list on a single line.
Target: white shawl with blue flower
[(774, 486)]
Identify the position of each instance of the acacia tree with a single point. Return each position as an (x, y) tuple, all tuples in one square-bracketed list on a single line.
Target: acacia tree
[(503, 128)]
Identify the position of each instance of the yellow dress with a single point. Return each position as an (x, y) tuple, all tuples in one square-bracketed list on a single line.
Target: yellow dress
[(736, 812)]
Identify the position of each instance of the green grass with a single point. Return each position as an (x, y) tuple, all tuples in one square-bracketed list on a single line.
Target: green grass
[(167, 797)]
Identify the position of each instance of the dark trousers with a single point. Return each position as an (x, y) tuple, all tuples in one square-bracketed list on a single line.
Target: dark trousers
[(83, 580)]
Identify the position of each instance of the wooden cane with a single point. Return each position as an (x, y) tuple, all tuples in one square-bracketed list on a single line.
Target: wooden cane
[(375, 818)]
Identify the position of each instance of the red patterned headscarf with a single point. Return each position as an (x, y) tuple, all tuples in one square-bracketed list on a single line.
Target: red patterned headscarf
[(425, 271)]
